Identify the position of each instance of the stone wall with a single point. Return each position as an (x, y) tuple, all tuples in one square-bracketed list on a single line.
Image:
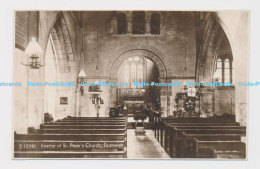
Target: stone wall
[(171, 50)]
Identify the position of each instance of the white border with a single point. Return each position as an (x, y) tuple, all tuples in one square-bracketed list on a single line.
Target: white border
[(6, 67)]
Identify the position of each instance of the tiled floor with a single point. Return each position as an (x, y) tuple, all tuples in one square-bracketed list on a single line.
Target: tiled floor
[(139, 147)]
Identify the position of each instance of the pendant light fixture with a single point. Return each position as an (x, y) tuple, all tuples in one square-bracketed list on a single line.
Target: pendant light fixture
[(34, 52), (82, 75), (185, 68)]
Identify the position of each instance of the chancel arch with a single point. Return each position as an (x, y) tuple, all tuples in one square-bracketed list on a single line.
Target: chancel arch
[(132, 54)]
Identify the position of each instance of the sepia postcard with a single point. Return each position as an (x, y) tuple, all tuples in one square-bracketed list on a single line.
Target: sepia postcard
[(136, 84)]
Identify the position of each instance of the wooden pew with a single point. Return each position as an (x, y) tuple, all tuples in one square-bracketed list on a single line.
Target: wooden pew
[(58, 126), (83, 131), (177, 134), (233, 149), (168, 138), (75, 138), (68, 154), (210, 126), (93, 120), (77, 146), (211, 131), (167, 129), (96, 118), (161, 122), (161, 132), (94, 145), (196, 120), (185, 145), (173, 135), (86, 123)]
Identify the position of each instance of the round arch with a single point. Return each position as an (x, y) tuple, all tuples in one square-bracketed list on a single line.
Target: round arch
[(149, 52), (139, 50)]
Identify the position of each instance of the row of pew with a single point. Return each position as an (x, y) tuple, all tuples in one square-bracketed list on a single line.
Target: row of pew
[(201, 138), (75, 137)]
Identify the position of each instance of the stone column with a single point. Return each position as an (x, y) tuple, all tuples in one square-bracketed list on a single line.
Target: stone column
[(168, 94), (35, 96), (113, 94), (129, 25), (147, 23), (114, 25), (35, 105), (129, 19), (163, 100)]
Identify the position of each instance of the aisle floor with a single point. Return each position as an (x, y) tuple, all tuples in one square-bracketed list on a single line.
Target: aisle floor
[(140, 147)]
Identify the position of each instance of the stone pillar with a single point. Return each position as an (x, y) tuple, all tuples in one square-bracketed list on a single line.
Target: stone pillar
[(35, 96), (113, 94), (168, 94), (236, 26), (147, 23), (163, 99), (35, 107), (78, 92), (114, 25), (129, 25), (129, 19), (241, 72)]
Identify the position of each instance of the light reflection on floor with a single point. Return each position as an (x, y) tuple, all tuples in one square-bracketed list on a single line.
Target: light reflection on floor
[(144, 146)]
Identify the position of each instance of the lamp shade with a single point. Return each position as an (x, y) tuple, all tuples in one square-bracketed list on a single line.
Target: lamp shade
[(82, 74), (33, 48)]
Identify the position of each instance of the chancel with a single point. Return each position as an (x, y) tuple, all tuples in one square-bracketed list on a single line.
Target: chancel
[(146, 84)]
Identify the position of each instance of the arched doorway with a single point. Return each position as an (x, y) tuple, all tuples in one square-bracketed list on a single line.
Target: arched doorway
[(149, 56)]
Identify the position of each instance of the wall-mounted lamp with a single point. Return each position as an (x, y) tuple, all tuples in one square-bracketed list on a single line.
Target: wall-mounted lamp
[(184, 86), (201, 84), (81, 78), (34, 52)]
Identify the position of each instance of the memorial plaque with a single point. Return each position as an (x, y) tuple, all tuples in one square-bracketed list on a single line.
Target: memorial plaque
[(64, 100)]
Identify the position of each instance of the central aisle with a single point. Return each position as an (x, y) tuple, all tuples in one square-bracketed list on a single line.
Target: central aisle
[(144, 146)]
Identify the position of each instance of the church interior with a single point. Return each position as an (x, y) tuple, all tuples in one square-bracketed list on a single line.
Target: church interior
[(55, 116)]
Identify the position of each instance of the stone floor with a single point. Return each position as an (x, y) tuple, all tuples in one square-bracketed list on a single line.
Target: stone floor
[(139, 147)]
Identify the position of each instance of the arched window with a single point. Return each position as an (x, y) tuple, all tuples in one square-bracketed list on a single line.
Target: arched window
[(138, 26), (155, 23), (224, 71), (218, 73), (133, 70), (227, 71), (121, 23)]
